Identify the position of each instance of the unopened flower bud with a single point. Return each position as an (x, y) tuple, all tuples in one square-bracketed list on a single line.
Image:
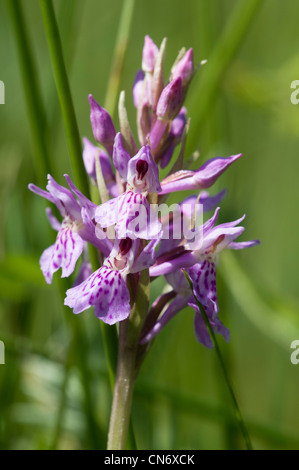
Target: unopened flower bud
[(170, 101), (121, 157), (102, 125), (184, 68), (138, 88), (149, 55)]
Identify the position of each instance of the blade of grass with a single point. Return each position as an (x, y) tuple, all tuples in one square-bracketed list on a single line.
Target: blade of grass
[(239, 417), (212, 73), (64, 95), (119, 55), (31, 86), (74, 143)]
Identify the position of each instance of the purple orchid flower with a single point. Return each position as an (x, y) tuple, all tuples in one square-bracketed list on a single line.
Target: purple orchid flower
[(77, 228), (131, 212), (209, 242), (174, 227), (106, 288), (200, 264)]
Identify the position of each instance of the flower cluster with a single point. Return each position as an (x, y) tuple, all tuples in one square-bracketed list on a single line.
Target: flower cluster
[(126, 228)]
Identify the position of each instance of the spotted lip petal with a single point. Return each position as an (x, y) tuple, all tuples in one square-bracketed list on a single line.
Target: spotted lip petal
[(107, 291), (179, 282), (63, 254), (132, 216), (203, 277), (201, 332)]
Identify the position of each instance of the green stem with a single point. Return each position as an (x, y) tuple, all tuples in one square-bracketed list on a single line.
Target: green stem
[(119, 55), (129, 333), (31, 86), (239, 417), (64, 94), (123, 391)]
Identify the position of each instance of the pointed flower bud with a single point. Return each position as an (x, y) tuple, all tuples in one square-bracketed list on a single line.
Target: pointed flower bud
[(102, 125), (168, 106), (149, 55), (170, 101), (121, 157), (138, 90), (184, 68), (157, 82)]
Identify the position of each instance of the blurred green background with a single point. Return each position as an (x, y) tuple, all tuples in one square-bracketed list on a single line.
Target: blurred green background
[(54, 387)]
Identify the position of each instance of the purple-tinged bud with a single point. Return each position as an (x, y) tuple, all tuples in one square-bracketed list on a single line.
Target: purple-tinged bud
[(167, 155), (138, 90), (178, 125), (121, 157), (149, 55), (102, 125), (90, 154), (170, 101), (125, 127), (159, 133), (184, 68), (143, 123), (168, 106), (157, 82)]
